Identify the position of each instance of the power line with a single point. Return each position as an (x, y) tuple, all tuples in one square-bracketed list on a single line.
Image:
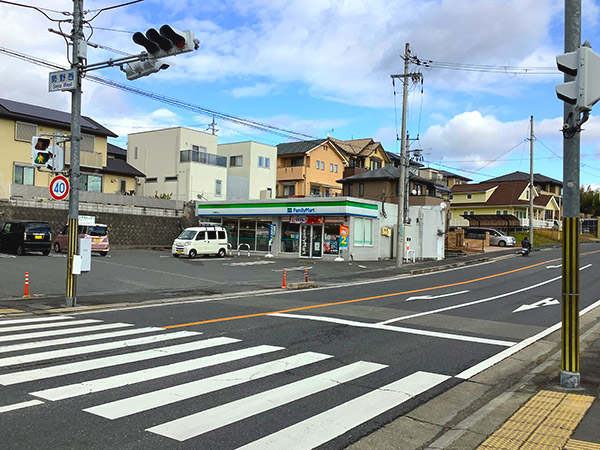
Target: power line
[(289, 134), (506, 69)]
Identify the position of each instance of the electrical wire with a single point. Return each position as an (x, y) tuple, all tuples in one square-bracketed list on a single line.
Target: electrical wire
[(38, 9), (266, 128), (99, 11), (506, 69)]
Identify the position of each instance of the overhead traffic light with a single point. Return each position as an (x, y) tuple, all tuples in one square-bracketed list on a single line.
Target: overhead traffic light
[(584, 65), (166, 42), (45, 155), (139, 69)]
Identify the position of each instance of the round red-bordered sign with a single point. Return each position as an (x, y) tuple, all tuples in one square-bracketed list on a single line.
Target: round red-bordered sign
[(59, 187)]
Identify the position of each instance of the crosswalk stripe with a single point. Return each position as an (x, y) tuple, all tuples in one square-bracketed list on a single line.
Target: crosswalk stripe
[(34, 319), (48, 325), (211, 419), (21, 359), (78, 339), (167, 396), (323, 427), (21, 405), (74, 330), (103, 384), (109, 361)]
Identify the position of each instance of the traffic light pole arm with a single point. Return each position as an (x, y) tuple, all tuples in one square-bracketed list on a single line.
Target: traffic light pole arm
[(116, 62)]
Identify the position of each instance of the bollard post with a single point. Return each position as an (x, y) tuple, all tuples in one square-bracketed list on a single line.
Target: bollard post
[(283, 285), (305, 275), (26, 293)]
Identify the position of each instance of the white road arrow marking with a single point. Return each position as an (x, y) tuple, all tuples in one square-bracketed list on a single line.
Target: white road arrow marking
[(546, 302), (429, 297)]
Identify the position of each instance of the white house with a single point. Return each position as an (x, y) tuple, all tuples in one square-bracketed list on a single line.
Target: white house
[(252, 170)]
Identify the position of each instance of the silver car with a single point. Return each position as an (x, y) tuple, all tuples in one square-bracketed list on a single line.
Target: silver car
[(497, 237)]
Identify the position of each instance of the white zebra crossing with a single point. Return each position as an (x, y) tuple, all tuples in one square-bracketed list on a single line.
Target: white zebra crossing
[(309, 433)]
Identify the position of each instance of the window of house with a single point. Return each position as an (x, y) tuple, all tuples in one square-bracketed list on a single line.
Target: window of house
[(363, 232), (450, 215), (322, 165), (263, 161), (218, 187), (350, 190), (152, 180), (195, 147), (331, 167), (451, 196), (361, 189), (318, 164), (122, 187), (25, 131), (87, 143), (297, 161), (335, 167), (171, 178), (498, 212), (315, 190), (289, 189), (235, 161), (135, 153), (469, 196), (90, 183), (24, 175), (505, 211)]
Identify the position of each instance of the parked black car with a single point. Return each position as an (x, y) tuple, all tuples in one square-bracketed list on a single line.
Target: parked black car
[(22, 236)]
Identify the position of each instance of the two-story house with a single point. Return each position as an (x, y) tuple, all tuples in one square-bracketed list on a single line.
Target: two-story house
[(251, 170), (309, 168), (362, 154), (19, 122)]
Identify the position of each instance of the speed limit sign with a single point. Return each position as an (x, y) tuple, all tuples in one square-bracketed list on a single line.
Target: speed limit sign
[(59, 187)]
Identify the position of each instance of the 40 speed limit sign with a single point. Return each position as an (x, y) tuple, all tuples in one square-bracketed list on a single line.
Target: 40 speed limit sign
[(59, 187)]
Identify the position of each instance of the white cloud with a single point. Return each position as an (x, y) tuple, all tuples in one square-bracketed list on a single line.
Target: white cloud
[(257, 90)]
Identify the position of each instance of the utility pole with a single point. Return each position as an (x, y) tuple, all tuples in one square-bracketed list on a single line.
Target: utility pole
[(402, 178), (569, 375), (531, 181), (77, 61)]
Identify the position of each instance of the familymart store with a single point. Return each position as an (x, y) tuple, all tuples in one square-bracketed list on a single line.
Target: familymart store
[(317, 227)]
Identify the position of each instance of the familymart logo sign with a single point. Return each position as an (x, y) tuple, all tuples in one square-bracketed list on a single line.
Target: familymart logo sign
[(302, 210)]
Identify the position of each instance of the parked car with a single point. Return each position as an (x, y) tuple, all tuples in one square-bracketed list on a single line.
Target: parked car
[(497, 237), (22, 236), (206, 239), (97, 233)]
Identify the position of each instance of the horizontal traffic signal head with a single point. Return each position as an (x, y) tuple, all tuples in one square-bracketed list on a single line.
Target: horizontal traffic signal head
[(166, 42)]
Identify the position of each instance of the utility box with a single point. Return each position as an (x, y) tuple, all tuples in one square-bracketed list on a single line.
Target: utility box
[(85, 251)]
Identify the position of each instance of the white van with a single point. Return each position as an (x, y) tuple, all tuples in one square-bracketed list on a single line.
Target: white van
[(205, 239)]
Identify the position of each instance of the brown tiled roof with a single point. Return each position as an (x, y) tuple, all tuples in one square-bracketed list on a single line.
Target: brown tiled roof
[(505, 194)]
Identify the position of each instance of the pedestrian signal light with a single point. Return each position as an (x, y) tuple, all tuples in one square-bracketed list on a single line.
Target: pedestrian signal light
[(41, 155)]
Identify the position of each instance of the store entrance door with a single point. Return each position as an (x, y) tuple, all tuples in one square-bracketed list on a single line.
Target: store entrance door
[(311, 241)]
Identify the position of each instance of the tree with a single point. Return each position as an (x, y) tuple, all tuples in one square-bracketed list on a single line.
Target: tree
[(163, 195), (589, 201)]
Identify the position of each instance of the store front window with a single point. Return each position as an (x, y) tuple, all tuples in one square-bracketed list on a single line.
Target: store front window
[(248, 233), (290, 237), (262, 236), (331, 239), (231, 225)]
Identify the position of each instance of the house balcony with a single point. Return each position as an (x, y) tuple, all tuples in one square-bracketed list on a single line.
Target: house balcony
[(211, 159), (86, 159), (291, 173)]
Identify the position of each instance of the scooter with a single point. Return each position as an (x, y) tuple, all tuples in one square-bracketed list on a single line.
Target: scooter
[(525, 251)]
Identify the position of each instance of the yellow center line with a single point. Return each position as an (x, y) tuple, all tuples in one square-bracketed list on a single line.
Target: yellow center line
[(323, 305)]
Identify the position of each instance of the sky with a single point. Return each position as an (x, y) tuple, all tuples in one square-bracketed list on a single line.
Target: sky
[(323, 67)]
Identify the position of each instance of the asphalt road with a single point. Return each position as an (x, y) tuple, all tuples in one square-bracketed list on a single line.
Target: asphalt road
[(283, 369)]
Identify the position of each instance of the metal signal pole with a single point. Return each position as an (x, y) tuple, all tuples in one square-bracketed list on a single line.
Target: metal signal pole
[(569, 375), (531, 181)]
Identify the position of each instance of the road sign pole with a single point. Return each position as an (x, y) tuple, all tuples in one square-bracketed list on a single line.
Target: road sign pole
[(569, 375), (77, 37)]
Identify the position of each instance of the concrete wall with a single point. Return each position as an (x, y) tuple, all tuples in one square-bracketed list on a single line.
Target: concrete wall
[(125, 230)]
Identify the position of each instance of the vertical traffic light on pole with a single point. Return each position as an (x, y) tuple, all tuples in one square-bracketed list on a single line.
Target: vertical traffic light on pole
[(584, 91)]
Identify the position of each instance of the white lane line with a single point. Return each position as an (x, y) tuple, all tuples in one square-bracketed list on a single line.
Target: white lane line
[(431, 297), (34, 319), (377, 326), (475, 302), (21, 405), (43, 356), (463, 305), (75, 330), (48, 325), (78, 339), (220, 416), (319, 429), (153, 373), (167, 396), (554, 267), (477, 368)]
